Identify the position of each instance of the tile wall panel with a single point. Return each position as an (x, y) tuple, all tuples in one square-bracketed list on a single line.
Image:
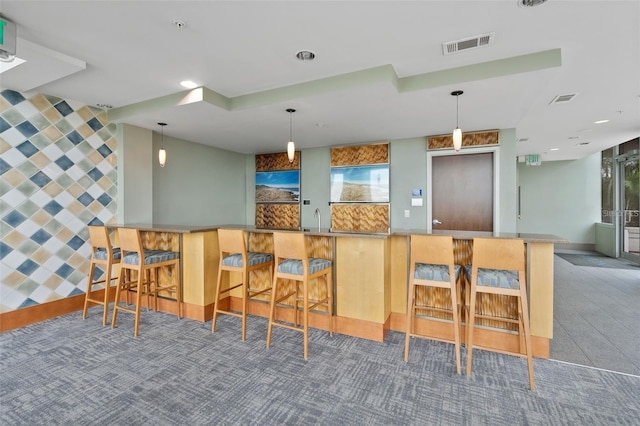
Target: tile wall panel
[(57, 175)]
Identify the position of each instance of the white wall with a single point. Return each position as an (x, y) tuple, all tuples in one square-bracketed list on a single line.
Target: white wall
[(561, 198)]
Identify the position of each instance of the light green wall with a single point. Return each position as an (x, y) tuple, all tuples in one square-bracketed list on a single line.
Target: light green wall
[(315, 178), (207, 186), (408, 171), (199, 185), (508, 202), (561, 198), (605, 236), (135, 200)]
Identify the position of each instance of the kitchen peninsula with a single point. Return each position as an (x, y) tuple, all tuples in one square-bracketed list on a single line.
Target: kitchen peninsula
[(370, 279)]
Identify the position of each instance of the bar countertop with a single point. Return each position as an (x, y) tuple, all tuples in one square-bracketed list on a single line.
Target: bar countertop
[(178, 229), (329, 232)]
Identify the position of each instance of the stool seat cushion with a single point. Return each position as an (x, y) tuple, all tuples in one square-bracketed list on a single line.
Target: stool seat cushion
[(496, 278), (427, 271), (294, 266), (253, 258), (102, 253), (151, 256)]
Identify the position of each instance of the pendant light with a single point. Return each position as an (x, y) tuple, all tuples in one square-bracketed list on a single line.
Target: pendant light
[(162, 154), (291, 146), (457, 133)]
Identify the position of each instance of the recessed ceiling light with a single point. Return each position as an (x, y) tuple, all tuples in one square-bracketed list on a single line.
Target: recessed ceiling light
[(188, 84), (523, 140), (584, 143), (305, 55), (554, 149), (574, 137), (600, 121)]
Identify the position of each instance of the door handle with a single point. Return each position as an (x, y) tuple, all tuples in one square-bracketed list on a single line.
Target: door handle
[(436, 222)]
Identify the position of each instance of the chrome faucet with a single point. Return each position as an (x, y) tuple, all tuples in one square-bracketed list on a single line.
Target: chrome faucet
[(317, 214)]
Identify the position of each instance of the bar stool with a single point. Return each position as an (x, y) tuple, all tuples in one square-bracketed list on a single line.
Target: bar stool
[(432, 265), (498, 267), (292, 263), (104, 255), (234, 257), (136, 258)]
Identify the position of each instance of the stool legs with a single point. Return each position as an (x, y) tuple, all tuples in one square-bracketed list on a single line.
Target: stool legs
[(217, 301), (307, 306), (523, 331), (245, 302), (107, 287), (455, 312)]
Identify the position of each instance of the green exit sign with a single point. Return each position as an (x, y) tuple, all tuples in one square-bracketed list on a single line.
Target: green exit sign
[(533, 160), (7, 39)]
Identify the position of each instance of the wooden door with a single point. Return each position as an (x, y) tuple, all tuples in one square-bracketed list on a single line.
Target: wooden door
[(462, 192)]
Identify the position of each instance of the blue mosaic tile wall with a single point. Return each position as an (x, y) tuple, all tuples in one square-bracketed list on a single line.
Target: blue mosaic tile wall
[(57, 175)]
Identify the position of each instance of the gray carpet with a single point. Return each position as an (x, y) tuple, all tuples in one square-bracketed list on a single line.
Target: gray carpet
[(598, 261), (70, 371)]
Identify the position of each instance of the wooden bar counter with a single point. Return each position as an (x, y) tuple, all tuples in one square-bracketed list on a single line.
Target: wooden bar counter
[(370, 279)]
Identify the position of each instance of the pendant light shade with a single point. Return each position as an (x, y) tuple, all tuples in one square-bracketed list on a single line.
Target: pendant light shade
[(162, 154), (457, 133), (291, 151), (291, 146), (457, 139)]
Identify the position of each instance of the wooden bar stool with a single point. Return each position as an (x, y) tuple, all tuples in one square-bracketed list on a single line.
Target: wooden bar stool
[(292, 263), (432, 265), (498, 267), (104, 256), (234, 257), (136, 258)]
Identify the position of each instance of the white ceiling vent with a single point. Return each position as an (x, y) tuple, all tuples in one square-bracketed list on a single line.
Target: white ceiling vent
[(468, 43), (562, 99)]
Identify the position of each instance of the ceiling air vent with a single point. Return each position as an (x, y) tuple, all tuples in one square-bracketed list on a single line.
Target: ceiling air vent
[(562, 99), (468, 43), (530, 3)]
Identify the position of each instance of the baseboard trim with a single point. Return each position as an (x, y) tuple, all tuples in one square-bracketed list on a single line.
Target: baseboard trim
[(44, 311), (575, 246)]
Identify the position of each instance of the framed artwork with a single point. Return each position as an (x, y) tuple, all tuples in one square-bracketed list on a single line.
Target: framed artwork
[(278, 186), (360, 184)]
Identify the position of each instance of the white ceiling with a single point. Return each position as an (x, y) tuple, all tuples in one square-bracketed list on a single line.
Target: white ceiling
[(380, 73)]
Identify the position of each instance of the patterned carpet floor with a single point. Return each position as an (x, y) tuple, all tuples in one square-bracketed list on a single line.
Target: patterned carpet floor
[(74, 372)]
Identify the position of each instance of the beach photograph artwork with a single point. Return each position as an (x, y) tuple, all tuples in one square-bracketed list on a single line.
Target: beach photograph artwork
[(360, 184), (278, 187)]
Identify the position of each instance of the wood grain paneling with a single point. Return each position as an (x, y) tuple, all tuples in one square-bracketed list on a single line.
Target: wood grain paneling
[(360, 217), (278, 161), (360, 155), (278, 216), (484, 138)]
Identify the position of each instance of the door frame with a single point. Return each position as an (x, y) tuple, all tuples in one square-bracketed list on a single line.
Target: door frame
[(495, 149), (618, 200)]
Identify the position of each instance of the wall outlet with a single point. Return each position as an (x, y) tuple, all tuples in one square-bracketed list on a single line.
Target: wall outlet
[(407, 213)]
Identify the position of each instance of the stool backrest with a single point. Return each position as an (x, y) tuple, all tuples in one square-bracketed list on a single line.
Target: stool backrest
[(499, 253), (289, 245), (130, 242), (432, 249), (99, 238), (231, 241)]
